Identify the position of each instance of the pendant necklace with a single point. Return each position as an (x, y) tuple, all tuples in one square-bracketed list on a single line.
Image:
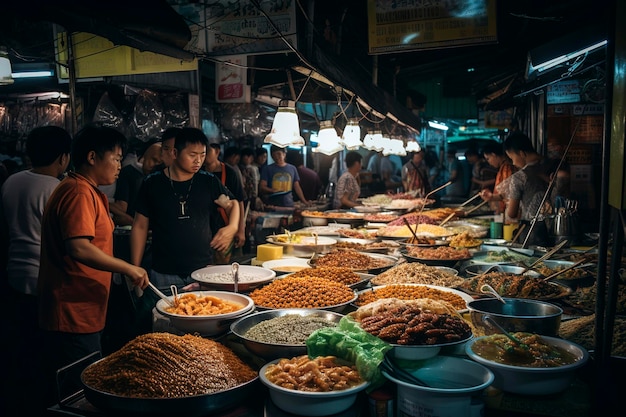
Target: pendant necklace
[(182, 200)]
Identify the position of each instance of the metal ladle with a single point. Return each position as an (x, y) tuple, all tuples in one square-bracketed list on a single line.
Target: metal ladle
[(235, 270), (161, 295)]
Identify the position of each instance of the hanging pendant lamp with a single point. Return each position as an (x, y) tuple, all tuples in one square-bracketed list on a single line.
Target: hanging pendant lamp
[(373, 141), (413, 146), (5, 67), (285, 129), (329, 142), (352, 135)]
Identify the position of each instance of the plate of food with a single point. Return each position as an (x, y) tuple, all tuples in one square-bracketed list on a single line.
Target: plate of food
[(384, 217), (358, 233), (366, 245), (464, 240), (440, 255), (372, 263)]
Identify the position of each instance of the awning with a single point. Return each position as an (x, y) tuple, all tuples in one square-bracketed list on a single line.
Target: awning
[(155, 27), (333, 71)]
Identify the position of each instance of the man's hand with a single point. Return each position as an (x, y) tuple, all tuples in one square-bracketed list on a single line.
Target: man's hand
[(223, 238), (240, 238), (138, 276)]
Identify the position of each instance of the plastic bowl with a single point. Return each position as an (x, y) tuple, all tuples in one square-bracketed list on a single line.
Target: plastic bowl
[(452, 384), (208, 325), (306, 403), (271, 351), (533, 381)]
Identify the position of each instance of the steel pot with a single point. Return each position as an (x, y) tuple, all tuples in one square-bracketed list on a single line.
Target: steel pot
[(516, 315)]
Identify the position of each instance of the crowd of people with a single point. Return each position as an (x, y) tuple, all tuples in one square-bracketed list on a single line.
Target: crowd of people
[(186, 206)]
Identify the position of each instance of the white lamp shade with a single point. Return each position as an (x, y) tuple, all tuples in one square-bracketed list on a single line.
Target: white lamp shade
[(397, 147), (5, 68), (413, 146), (352, 135), (328, 142), (373, 141), (285, 129)]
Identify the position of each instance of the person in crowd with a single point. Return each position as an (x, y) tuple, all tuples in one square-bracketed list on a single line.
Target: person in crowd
[(179, 204), (435, 172), (455, 174), (232, 181), (310, 181), (280, 179), (529, 185), (483, 174), (260, 158), (24, 196), (77, 259), (495, 156), (232, 157), (251, 177), (348, 186), (168, 138), (129, 181), (415, 174)]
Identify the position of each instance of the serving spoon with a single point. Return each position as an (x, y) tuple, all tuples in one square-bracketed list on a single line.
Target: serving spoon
[(492, 323)]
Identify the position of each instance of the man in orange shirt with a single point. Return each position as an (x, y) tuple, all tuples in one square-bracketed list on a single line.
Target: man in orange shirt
[(77, 259)]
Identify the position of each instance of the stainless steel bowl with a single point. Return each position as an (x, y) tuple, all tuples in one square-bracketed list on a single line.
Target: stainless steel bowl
[(271, 351), (516, 315), (477, 269)]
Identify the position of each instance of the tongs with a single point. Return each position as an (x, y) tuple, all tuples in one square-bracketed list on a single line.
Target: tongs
[(546, 256), (441, 187), (476, 207), (557, 273), (472, 198)]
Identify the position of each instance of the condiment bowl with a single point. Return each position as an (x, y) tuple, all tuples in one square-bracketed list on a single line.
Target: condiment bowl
[(271, 351), (532, 380), (307, 403)]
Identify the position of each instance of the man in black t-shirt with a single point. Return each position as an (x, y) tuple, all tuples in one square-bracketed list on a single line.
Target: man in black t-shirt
[(178, 204), (229, 178)]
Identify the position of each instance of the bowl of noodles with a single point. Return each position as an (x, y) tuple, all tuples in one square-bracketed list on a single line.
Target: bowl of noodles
[(208, 313)]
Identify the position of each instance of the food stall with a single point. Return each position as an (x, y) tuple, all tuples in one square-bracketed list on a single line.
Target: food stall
[(385, 266)]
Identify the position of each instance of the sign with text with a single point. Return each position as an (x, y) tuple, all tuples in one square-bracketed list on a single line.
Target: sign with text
[(239, 27), (231, 80), (413, 25), (95, 56), (563, 92)]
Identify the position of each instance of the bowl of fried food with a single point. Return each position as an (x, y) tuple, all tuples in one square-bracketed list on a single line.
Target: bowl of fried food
[(208, 313), (333, 391)]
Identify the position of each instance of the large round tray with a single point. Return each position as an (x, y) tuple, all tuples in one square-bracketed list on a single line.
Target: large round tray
[(197, 405), (465, 296), (434, 262)]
